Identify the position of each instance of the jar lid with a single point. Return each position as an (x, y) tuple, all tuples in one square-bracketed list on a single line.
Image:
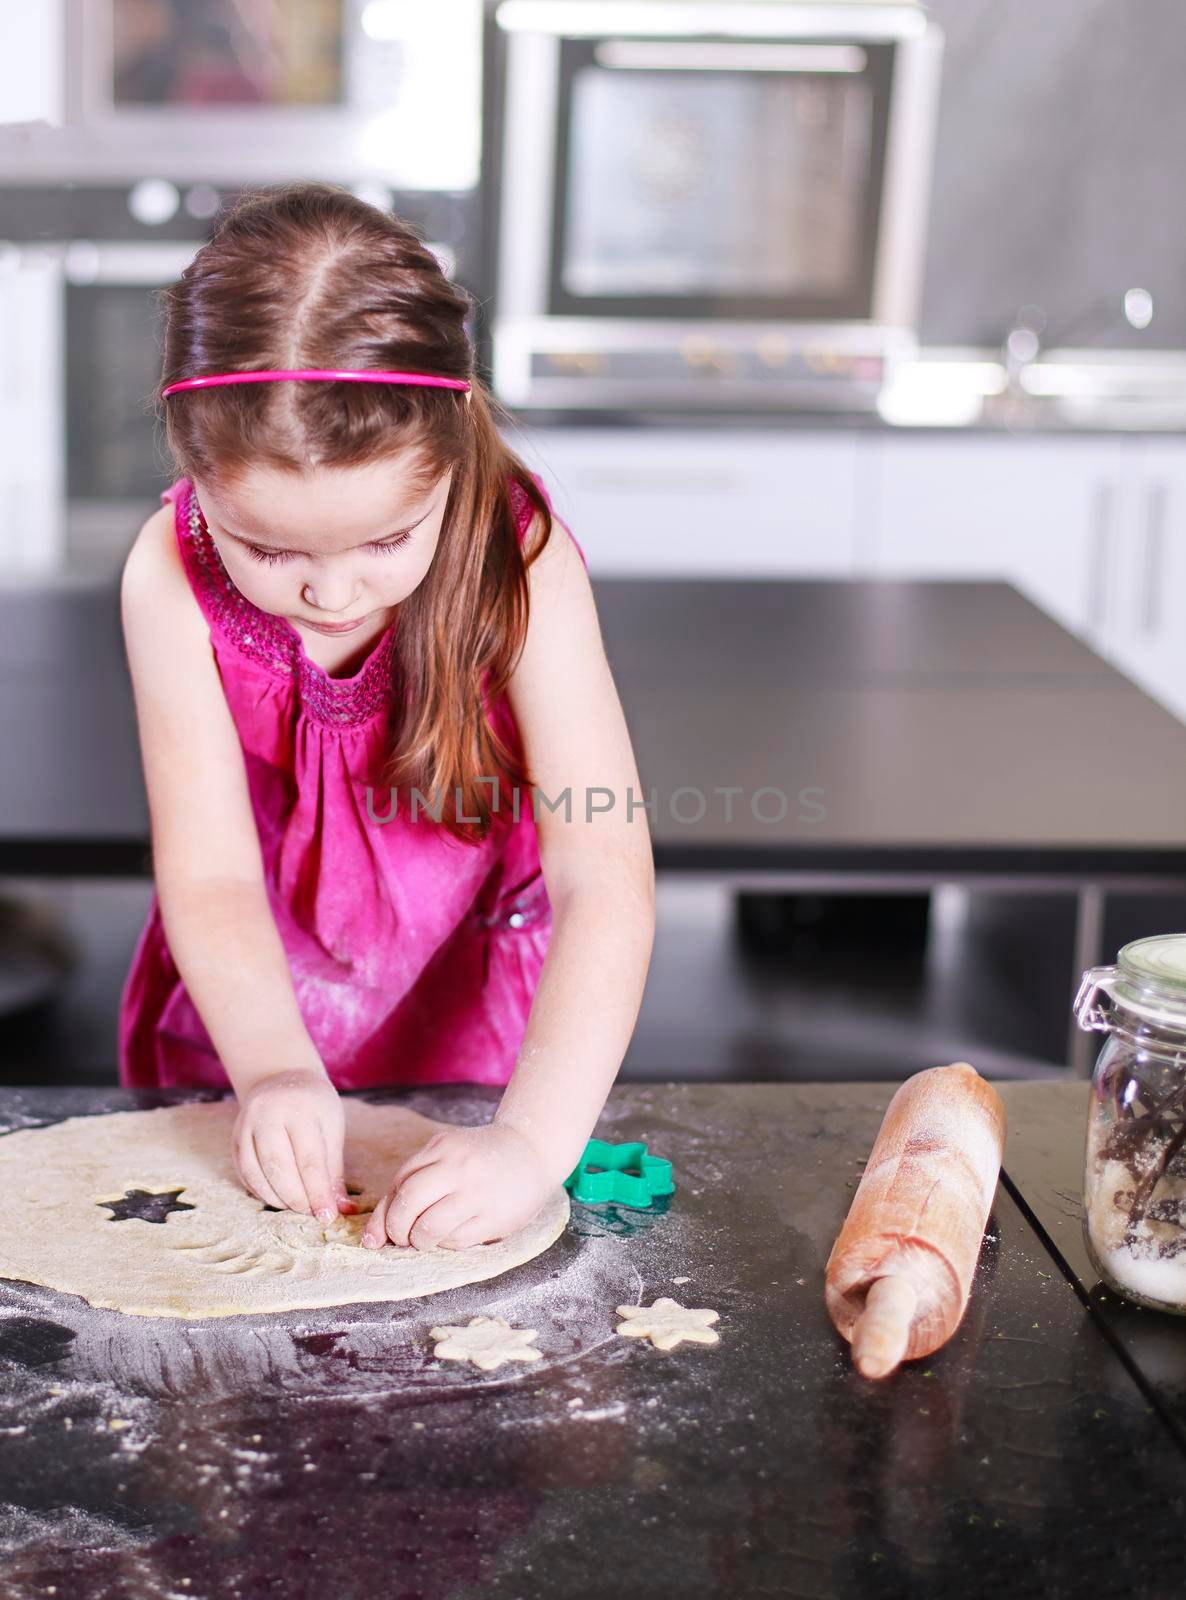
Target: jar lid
[(1151, 979)]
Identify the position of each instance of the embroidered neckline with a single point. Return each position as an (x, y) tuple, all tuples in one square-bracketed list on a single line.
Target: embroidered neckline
[(275, 643)]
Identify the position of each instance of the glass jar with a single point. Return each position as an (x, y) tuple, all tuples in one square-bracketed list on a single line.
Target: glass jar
[(1134, 1184)]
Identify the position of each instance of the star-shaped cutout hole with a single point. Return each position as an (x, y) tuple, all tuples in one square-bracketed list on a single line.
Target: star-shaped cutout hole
[(667, 1324), (146, 1205), (486, 1341)]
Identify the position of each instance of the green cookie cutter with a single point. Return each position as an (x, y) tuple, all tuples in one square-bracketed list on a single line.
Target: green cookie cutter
[(624, 1173)]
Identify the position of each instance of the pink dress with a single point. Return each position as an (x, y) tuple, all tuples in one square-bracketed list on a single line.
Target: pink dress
[(414, 957)]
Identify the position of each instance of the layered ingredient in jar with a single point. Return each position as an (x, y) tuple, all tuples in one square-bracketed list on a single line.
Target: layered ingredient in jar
[(1136, 1194)]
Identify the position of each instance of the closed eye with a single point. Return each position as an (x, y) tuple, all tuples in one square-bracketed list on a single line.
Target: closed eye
[(274, 557)]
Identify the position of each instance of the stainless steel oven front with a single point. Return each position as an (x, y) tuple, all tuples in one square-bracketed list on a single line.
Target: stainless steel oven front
[(707, 204)]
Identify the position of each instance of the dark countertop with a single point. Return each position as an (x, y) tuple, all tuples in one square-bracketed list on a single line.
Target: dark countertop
[(929, 728), (327, 1452), (1045, 1172), (1035, 421)]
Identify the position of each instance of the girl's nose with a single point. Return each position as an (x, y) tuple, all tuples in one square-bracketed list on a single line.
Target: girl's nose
[(332, 595)]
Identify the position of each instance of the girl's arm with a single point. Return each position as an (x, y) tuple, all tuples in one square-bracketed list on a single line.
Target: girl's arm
[(474, 1184), (598, 867), (210, 887)]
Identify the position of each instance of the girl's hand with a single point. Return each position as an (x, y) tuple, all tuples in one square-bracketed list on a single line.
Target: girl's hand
[(464, 1187), (287, 1144)]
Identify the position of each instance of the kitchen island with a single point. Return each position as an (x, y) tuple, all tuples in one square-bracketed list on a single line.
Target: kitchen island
[(815, 735)]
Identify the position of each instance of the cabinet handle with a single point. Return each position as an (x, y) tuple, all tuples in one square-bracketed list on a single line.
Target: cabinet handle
[(1155, 510), (1101, 538)]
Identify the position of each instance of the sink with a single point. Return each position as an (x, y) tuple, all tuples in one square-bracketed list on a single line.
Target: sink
[(1119, 390)]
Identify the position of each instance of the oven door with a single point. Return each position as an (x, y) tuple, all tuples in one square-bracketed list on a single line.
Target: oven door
[(81, 468), (114, 460), (717, 180), (670, 196)]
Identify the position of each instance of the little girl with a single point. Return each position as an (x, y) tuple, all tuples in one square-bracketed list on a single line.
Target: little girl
[(378, 731)]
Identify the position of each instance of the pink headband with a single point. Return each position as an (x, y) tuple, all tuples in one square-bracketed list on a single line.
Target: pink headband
[(428, 380)]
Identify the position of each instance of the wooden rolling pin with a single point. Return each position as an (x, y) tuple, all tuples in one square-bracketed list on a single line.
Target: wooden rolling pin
[(897, 1280)]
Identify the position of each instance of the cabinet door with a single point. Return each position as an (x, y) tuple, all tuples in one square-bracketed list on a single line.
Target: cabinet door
[(1146, 637), (685, 502), (1039, 512)]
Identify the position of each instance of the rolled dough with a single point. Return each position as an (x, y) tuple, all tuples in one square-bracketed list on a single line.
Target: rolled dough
[(227, 1256)]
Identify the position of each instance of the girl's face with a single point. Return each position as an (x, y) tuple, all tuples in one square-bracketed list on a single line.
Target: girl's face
[(328, 547)]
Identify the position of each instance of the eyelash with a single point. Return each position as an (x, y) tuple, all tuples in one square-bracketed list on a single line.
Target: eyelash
[(274, 558)]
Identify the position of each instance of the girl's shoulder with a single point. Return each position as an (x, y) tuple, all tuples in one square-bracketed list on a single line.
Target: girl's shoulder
[(522, 507), (524, 511), (165, 634)]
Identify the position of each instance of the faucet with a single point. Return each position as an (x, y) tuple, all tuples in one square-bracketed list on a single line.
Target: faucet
[(1024, 341), (1021, 346)]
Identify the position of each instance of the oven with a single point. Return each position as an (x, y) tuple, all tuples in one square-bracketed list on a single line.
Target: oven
[(716, 205)]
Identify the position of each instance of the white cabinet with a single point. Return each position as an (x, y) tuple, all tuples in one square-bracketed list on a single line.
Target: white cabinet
[(692, 502), (1146, 628), (1039, 512), (32, 408), (31, 63), (1091, 527)]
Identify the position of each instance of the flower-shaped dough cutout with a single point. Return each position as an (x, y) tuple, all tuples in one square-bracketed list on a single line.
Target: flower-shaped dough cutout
[(486, 1341), (667, 1324)]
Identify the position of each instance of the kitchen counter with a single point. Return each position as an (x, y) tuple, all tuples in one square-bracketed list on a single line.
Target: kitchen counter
[(1022, 423), (1045, 1171), (321, 1451), (953, 390)]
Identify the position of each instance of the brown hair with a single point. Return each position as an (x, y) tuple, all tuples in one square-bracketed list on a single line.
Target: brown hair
[(309, 275)]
